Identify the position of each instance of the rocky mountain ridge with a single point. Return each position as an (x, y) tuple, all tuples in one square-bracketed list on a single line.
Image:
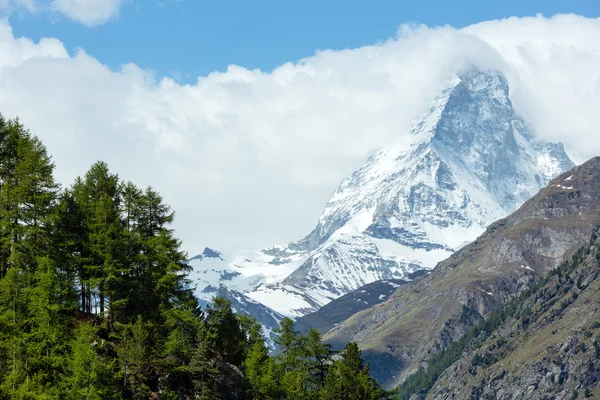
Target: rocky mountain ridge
[(547, 347), (402, 332)]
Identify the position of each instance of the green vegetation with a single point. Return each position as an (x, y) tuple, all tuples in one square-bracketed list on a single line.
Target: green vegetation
[(95, 304), (519, 307)]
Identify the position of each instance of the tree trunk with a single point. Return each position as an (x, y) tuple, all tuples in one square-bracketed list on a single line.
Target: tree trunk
[(102, 297), (82, 296), (110, 309), (89, 300)]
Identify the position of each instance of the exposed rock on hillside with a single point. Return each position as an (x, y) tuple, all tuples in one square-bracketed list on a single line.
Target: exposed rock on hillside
[(547, 349), (514, 252)]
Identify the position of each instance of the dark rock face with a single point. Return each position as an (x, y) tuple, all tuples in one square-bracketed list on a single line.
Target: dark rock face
[(484, 275), (231, 384)]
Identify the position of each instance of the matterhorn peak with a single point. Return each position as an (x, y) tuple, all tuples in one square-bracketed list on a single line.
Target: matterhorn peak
[(471, 160)]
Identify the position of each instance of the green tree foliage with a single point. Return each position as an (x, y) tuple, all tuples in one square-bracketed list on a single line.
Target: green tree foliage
[(349, 378), (92, 372), (225, 331), (95, 303), (319, 356), (32, 330), (519, 307), (310, 369), (135, 358), (262, 374)]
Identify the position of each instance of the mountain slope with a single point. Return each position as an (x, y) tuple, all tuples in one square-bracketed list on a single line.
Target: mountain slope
[(216, 270), (468, 161), (548, 347), (344, 307), (514, 252)]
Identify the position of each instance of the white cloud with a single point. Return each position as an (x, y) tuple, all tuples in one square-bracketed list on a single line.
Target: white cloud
[(10, 5), (88, 12), (248, 158), (555, 74)]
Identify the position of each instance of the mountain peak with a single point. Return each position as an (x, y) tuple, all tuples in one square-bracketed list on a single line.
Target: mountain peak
[(471, 160), (476, 99), (477, 107), (208, 253), (487, 81)]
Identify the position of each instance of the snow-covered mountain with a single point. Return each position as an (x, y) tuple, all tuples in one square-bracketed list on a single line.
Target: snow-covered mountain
[(468, 161)]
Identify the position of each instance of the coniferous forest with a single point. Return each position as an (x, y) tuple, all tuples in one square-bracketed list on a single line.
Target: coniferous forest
[(95, 304)]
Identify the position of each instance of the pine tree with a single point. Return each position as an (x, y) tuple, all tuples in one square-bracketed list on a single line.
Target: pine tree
[(350, 379), (49, 323), (9, 203), (101, 204), (135, 359), (287, 340), (93, 375), (27, 199), (260, 370), (72, 239), (13, 309), (95, 302), (67, 240), (131, 206), (293, 359), (37, 192), (182, 327), (202, 367), (27, 196), (160, 266), (225, 331)]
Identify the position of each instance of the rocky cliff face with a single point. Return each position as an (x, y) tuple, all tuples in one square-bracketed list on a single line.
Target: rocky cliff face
[(548, 348), (468, 161), (399, 334)]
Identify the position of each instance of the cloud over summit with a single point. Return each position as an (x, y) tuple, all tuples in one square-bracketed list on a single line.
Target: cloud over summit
[(246, 157)]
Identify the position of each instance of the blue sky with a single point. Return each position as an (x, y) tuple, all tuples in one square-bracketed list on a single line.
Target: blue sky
[(247, 158), (185, 39)]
